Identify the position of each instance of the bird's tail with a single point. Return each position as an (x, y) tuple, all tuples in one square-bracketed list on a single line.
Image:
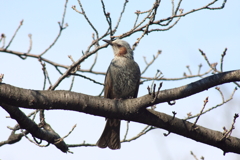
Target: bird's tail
[(111, 135)]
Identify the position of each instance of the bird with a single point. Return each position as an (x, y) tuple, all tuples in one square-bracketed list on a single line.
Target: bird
[(121, 82)]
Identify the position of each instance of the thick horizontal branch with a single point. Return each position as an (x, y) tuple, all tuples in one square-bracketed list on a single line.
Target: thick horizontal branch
[(130, 109), (67, 100)]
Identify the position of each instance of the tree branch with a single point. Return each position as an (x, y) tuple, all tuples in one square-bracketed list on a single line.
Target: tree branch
[(25, 123), (129, 109)]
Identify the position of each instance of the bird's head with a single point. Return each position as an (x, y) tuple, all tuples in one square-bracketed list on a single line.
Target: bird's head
[(121, 48)]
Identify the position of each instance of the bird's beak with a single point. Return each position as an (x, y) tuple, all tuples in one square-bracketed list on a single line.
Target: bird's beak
[(107, 41)]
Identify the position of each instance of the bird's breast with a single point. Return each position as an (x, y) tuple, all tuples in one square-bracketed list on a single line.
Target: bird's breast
[(125, 75)]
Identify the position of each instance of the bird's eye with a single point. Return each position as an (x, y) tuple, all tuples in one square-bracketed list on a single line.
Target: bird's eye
[(118, 45)]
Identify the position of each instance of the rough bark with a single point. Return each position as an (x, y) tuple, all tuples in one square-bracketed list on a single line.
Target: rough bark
[(130, 109)]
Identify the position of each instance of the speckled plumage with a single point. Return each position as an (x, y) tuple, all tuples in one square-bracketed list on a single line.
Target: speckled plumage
[(121, 82)]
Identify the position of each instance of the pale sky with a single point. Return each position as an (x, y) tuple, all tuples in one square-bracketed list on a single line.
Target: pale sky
[(211, 31)]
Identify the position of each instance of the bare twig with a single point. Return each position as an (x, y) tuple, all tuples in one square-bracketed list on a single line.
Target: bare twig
[(155, 96), (134, 29), (149, 90), (218, 105), (21, 23), (136, 19), (223, 55), (94, 61), (205, 102), (144, 131), (85, 16), (217, 88), (151, 19), (82, 145), (30, 43), (56, 65), (178, 6), (146, 17), (71, 86), (100, 94), (190, 72), (192, 11), (174, 114), (199, 68), (145, 60), (96, 55), (151, 62), (175, 79), (165, 29), (61, 28), (157, 75), (34, 114), (74, 70), (195, 157), (213, 66), (125, 136), (61, 139), (120, 17), (75, 9), (209, 64), (229, 132), (3, 38), (45, 73), (138, 27), (173, 12), (34, 142), (237, 84), (216, 8), (75, 65), (87, 78)]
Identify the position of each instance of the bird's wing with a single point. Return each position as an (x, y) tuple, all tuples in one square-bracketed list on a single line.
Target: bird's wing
[(108, 85), (136, 89), (138, 76)]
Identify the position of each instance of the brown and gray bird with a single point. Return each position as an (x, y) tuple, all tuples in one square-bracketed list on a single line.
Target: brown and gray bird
[(121, 82)]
